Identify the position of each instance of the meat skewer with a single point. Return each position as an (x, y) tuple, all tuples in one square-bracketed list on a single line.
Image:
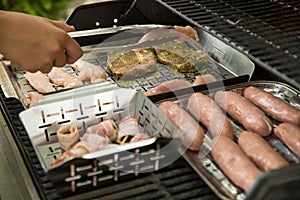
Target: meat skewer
[(128, 127), (289, 134), (40, 82), (260, 152), (193, 134), (273, 105), (210, 115), (107, 128), (246, 113), (89, 143), (234, 162)]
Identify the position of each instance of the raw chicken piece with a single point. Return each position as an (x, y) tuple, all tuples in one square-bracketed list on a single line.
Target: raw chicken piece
[(40, 82), (181, 32), (61, 77), (90, 72), (33, 98)]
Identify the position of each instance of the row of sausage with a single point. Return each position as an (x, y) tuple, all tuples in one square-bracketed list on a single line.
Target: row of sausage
[(258, 112)]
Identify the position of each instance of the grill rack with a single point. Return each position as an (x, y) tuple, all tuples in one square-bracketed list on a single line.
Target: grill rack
[(264, 30), (159, 184)]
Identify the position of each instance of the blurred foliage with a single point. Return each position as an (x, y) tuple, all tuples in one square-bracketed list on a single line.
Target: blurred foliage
[(53, 9)]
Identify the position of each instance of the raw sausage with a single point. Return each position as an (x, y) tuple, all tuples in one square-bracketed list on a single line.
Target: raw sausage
[(193, 134), (290, 135), (238, 107), (260, 152), (274, 106), (210, 115), (234, 162)]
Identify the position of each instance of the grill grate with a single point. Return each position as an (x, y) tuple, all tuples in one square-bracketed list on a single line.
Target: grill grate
[(176, 181), (267, 31)]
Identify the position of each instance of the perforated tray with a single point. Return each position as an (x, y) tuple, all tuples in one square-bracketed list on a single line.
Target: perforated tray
[(104, 166)]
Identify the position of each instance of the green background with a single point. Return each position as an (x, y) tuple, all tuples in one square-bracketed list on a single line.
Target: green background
[(53, 9)]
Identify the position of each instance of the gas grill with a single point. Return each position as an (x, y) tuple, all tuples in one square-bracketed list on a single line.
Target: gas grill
[(267, 32)]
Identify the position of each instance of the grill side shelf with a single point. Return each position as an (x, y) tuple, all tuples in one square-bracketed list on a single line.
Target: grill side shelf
[(10, 109)]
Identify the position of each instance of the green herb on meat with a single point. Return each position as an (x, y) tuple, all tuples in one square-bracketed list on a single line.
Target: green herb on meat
[(180, 56)]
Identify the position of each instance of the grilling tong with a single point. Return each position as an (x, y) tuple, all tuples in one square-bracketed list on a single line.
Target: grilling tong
[(115, 29)]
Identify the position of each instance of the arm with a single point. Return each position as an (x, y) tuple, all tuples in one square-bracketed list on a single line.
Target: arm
[(36, 43)]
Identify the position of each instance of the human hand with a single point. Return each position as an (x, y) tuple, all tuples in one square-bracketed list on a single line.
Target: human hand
[(36, 43)]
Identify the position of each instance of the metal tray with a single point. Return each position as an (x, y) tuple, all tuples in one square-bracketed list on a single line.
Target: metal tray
[(226, 62), (204, 164), (92, 170)]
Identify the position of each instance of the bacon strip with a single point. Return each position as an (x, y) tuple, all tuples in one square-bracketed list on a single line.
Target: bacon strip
[(88, 144), (128, 126), (107, 128), (67, 136)]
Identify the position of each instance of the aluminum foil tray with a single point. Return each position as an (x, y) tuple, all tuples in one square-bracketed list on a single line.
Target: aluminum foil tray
[(106, 166), (209, 171)]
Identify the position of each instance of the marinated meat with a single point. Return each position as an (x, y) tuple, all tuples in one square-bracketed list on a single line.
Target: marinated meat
[(131, 64), (180, 56)]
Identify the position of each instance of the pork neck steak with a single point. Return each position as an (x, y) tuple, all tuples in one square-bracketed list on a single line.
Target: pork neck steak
[(180, 56), (131, 64)]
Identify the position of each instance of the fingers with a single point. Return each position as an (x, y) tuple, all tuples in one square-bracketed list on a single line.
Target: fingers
[(73, 51), (62, 25)]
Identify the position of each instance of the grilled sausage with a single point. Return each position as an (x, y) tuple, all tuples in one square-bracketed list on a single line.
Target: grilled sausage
[(274, 106), (238, 107), (260, 152), (234, 162), (193, 134), (289, 134), (210, 115)]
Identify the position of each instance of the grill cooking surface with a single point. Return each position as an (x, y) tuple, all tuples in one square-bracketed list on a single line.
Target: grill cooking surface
[(268, 31), (177, 181)]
